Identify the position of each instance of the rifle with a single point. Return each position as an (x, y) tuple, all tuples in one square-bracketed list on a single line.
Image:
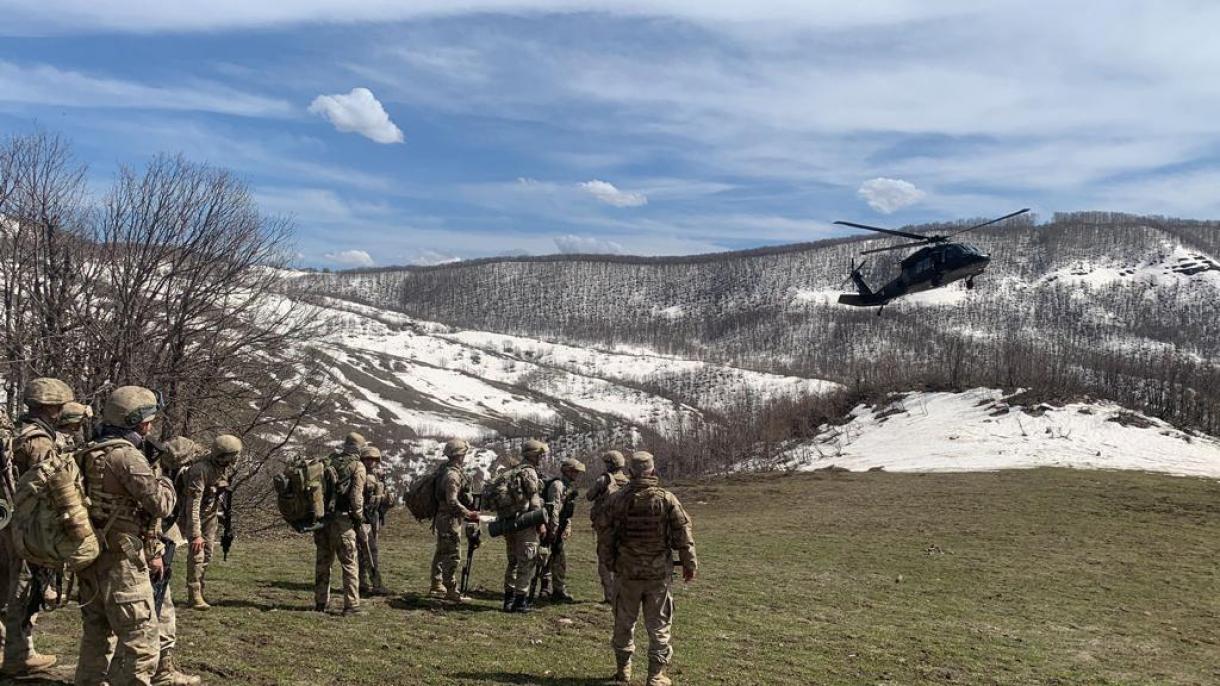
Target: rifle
[(474, 538), (366, 553), (566, 511), (161, 585), (224, 500)]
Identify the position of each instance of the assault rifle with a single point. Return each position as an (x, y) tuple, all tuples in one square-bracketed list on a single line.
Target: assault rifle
[(474, 538), (366, 552), (566, 510), (161, 585), (224, 501)]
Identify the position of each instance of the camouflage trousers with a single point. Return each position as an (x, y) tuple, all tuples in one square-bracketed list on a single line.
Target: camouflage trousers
[(606, 573), (554, 568), (336, 539), (522, 550), (117, 600), (448, 555), (197, 565), (370, 575), (18, 592), (167, 629), (654, 597)]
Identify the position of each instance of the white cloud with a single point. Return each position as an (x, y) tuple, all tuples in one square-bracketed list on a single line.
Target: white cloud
[(351, 258), (889, 195), (428, 258), (42, 84), (357, 112), (572, 244), (607, 193)]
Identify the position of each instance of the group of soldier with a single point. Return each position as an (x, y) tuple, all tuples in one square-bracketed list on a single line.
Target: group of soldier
[(129, 631), (141, 514)]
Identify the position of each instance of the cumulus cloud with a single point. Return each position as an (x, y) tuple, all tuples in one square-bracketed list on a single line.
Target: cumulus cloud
[(428, 258), (889, 195), (357, 112), (572, 244), (350, 258), (609, 194)]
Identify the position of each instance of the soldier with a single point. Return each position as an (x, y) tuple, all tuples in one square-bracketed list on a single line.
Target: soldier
[(375, 504), (205, 480), (559, 498), (35, 440), (453, 498), (522, 546), (641, 524), (610, 481), (338, 536), (71, 425), (127, 501)]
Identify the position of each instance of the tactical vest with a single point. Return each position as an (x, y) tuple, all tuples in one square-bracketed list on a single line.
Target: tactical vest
[(617, 481), (112, 511), (30, 430), (645, 527), (344, 466)]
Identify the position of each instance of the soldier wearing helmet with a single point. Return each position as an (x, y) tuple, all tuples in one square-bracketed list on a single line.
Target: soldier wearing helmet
[(338, 537), (454, 506), (522, 546), (203, 485), (35, 439), (128, 499), (559, 498), (641, 524), (610, 481), (72, 425), (376, 502)]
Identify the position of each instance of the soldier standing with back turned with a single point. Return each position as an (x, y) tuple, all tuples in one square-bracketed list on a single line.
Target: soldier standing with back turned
[(560, 504), (610, 481), (640, 525), (522, 546), (205, 480), (35, 440), (453, 501), (127, 501), (338, 536), (375, 502)]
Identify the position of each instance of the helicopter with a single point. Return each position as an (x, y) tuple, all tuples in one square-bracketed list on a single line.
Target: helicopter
[(939, 262)]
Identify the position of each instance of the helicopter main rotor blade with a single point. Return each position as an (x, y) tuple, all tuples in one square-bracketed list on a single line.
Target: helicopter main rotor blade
[(893, 247), (993, 221), (878, 229)]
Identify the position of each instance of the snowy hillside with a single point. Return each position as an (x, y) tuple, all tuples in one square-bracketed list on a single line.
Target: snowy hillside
[(981, 430)]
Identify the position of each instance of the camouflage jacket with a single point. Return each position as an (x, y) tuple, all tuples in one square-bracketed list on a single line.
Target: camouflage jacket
[(201, 490), (126, 494), (34, 442), (452, 493), (640, 525), (605, 486)]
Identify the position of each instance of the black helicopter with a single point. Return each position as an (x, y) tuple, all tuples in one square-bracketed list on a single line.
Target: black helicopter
[(938, 263)]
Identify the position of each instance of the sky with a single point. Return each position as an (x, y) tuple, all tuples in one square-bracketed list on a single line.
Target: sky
[(432, 130)]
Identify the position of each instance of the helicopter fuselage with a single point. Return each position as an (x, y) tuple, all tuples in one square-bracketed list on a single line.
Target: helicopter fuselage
[(929, 267)]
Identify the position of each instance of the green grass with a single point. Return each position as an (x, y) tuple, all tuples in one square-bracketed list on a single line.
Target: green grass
[(1025, 577)]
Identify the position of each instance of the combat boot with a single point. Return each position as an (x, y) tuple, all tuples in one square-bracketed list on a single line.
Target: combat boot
[(168, 674), (453, 595), (623, 674), (521, 604), (656, 674), (30, 664), (353, 610), (437, 590), (544, 588), (508, 601), (195, 597), (561, 596)]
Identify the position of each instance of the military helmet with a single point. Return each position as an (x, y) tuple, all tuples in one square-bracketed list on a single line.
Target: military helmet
[(182, 448), (226, 444), (74, 413), (641, 462), (129, 406), (533, 447), (573, 464), (370, 452), (47, 391), (456, 447), (354, 440), (613, 458)]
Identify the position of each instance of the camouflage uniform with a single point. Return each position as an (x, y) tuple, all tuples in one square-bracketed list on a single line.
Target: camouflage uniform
[(641, 524), (452, 493), (338, 537), (521, 547), (553, 558), (375, 502), (128, 501), (34, 442), (612, 480), (204, 482)]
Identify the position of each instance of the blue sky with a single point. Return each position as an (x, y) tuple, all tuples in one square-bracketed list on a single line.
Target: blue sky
[(397, 132)]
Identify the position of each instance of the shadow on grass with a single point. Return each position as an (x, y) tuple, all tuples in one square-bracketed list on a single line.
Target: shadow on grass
[(291, 585), (262, 607), (419, 601), (511, 678)]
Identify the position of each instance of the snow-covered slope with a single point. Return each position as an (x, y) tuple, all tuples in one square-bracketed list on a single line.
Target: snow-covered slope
[(980, 430)]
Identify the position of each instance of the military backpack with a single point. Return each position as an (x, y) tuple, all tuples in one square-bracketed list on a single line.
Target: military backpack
[(421, 498), (51, 525), (507, 491), (305, 493)]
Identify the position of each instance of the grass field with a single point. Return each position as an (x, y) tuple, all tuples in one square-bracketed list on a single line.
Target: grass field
[(1024, 577)]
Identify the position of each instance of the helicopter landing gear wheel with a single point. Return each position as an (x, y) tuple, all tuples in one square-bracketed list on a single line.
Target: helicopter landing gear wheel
[(970, 284)]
